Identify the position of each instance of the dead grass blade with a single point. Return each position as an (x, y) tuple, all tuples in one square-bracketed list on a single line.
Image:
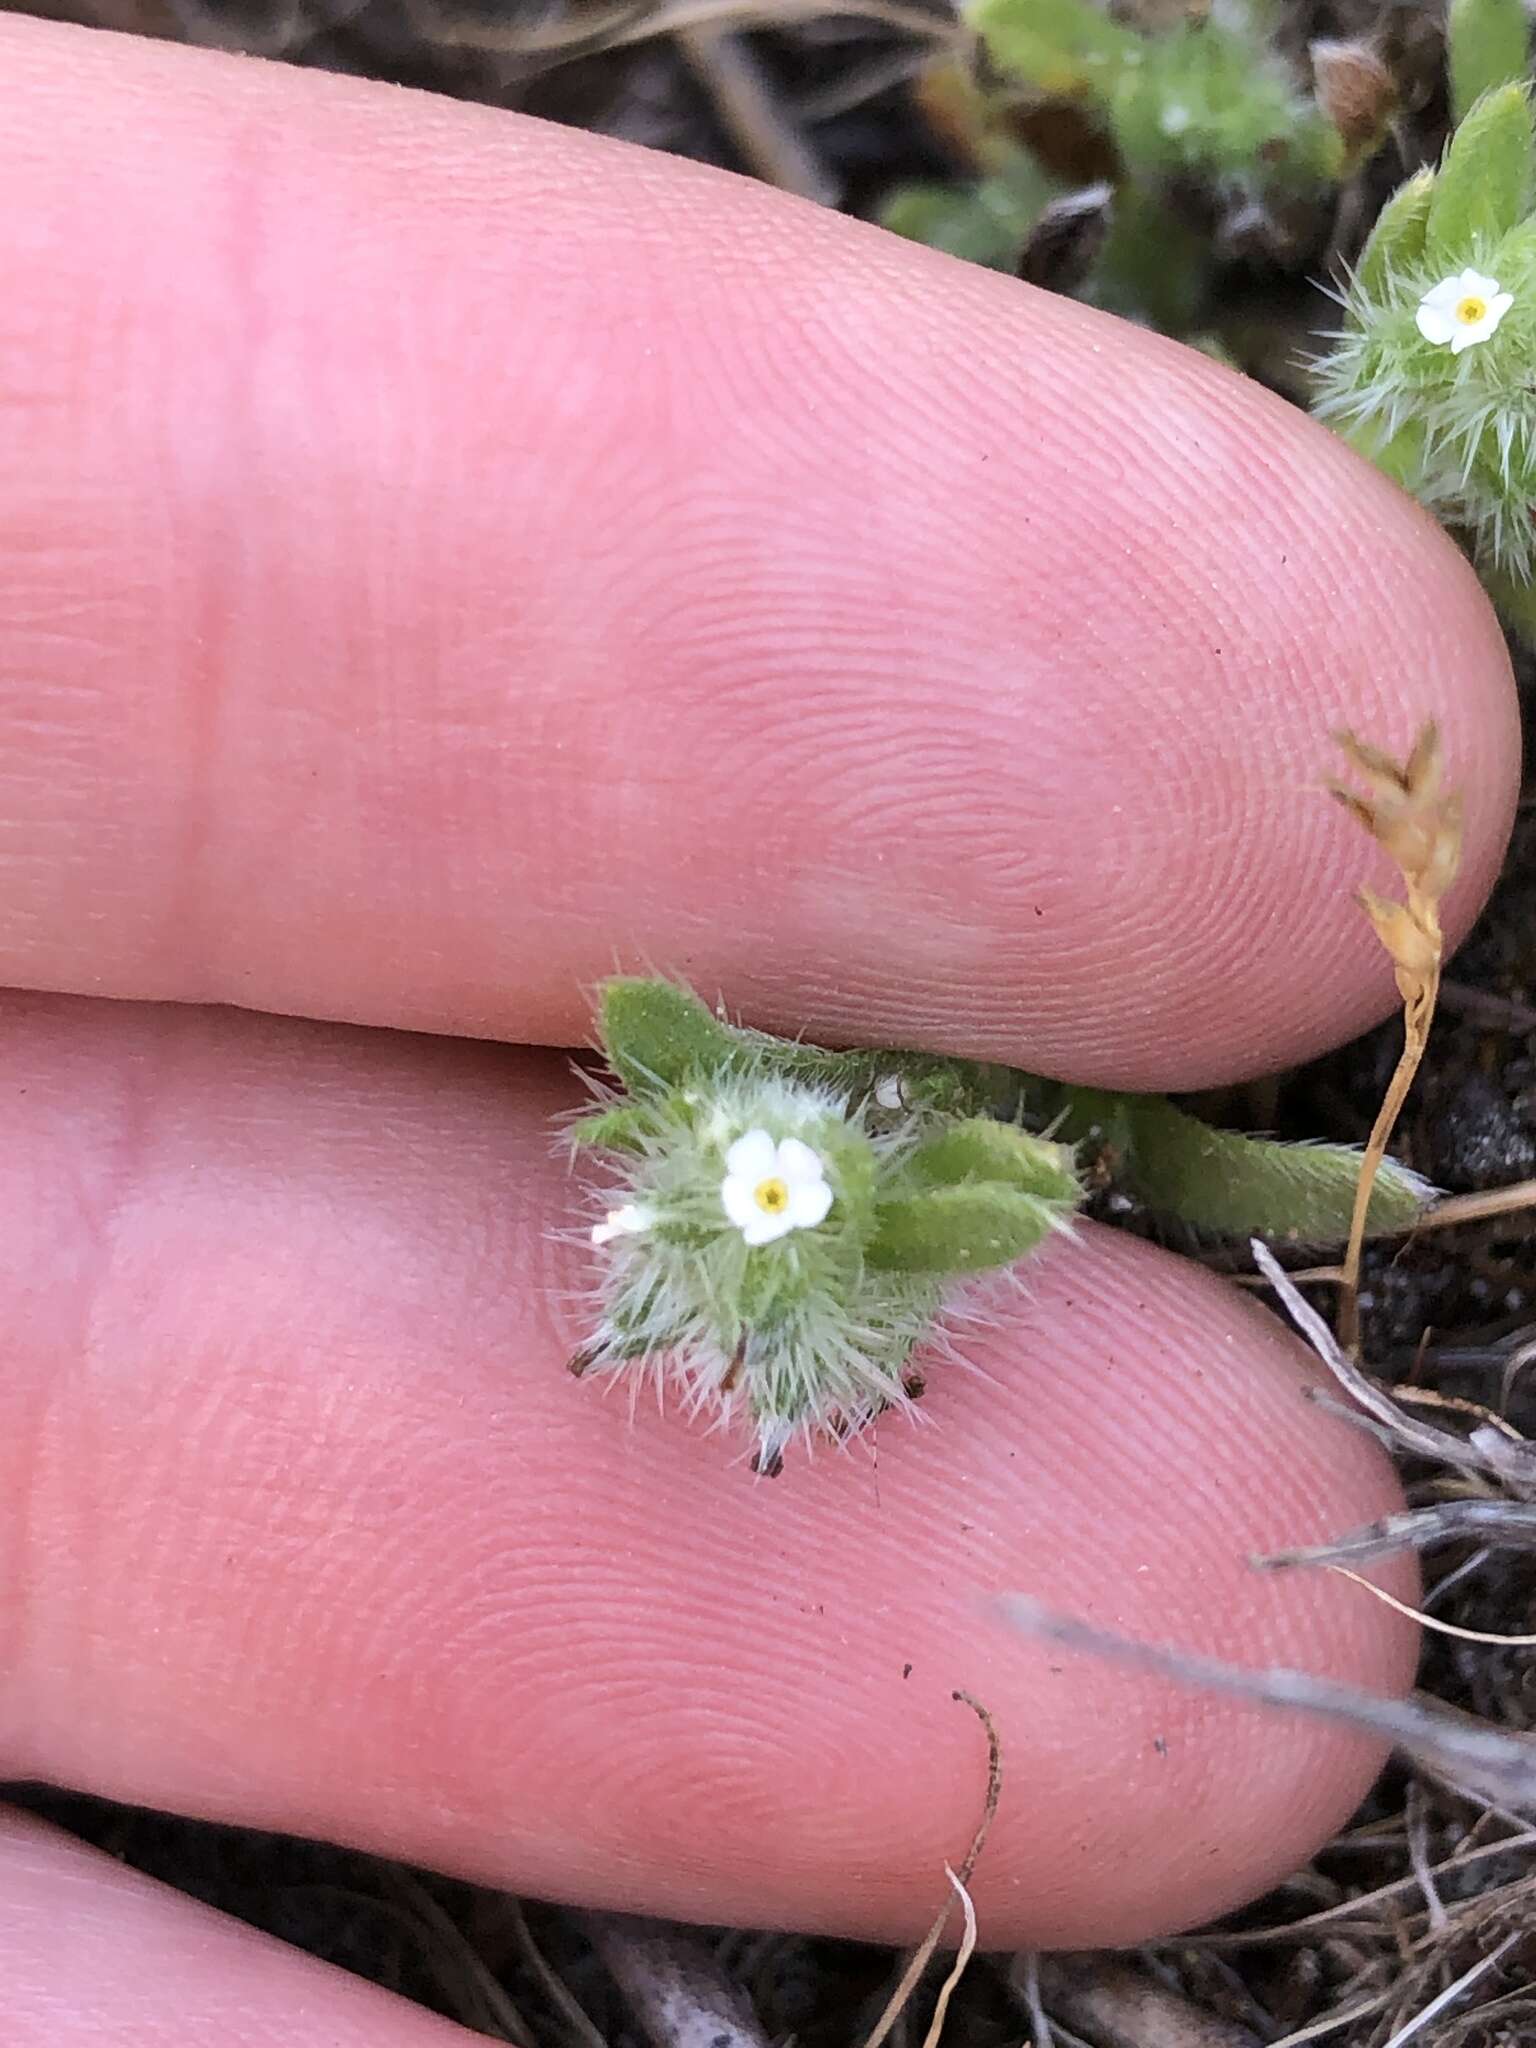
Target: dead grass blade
[(1414, 819), (1504, 1524), (1430, 1621), (1400, 1429), (1483, 1762), (1453, 1992), (963, 1955)]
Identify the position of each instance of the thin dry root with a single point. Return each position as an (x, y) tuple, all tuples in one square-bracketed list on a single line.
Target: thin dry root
[(922, 1955)]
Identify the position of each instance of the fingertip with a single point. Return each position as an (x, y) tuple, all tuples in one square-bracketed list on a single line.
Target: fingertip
[(902, 654), (326, 1539), (97, 1953)]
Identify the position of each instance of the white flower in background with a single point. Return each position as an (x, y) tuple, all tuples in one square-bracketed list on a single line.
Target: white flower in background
[(770, 1189), (629, 1221), (1462, 309)]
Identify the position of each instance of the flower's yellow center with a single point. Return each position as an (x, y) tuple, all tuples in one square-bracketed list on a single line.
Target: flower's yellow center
[(771, 1196), (1471, 309)]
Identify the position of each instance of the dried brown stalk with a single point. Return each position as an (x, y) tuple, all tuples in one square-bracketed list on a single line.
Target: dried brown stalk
[(1480, 1206), (1412, 817)]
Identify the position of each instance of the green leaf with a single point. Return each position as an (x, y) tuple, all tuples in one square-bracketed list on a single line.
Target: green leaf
[(1227, 1182), (1061, 47), (1483, 187), (956, 220), (656, 1034), (1153, 267), (1396, 242), (982, 1149), (1096, 1121), (988, 222), (1487, 45), (958, 1229)]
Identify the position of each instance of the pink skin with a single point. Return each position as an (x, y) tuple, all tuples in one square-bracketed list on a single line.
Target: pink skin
[(442, 557), (97, 1956), (313, 1530)]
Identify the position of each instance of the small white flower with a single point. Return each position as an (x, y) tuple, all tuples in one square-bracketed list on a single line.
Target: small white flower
[(1462, 309), (888, 1092), (1174, 119), (770, 1189), (626, 1222)]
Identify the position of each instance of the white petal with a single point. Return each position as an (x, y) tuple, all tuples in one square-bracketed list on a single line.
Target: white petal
[(1500, 304), (798, 1165), (754, 1157), (763, 1228), (1446, 296), (808, 1204), (1473, 285), (627, 1221), (740, 1203), (888, 1092), (1436, 324)]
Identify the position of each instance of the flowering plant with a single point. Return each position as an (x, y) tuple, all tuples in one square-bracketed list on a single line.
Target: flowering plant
[(786, 1226), (1430, 373)]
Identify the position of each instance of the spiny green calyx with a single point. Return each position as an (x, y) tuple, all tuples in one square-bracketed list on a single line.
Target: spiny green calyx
[(787, 1223)]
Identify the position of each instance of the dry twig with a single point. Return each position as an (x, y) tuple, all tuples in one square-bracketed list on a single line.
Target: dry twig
[(680, 1994), (1113, 2002)]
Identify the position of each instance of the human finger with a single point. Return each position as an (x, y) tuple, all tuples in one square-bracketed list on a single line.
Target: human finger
[(95, 1952), (443, 556), (303, 1524)]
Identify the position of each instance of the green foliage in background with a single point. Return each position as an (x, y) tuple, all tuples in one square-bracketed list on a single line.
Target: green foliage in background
[(1206, 103)]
